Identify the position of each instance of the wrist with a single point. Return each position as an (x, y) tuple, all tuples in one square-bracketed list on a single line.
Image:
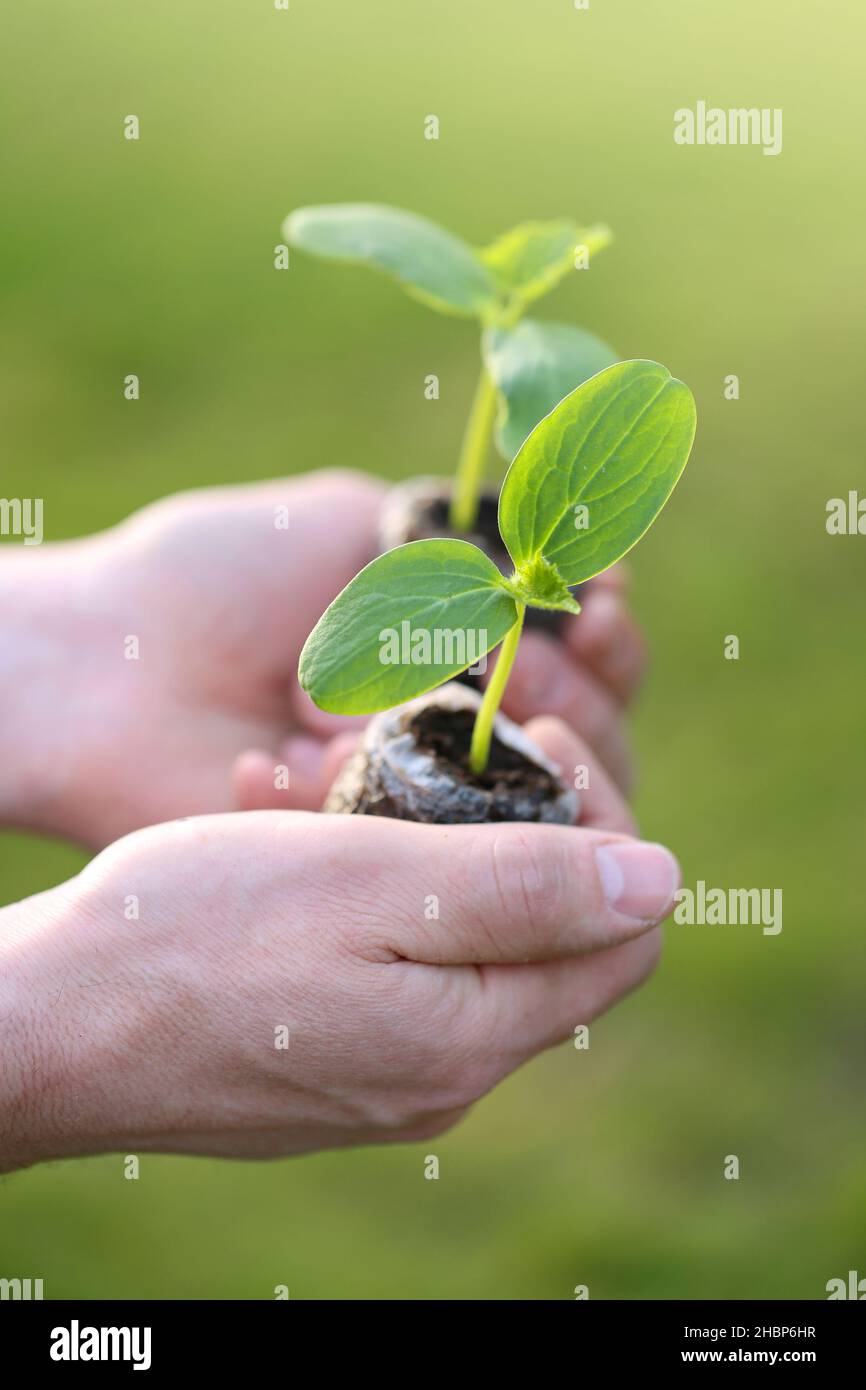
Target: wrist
[(33, 1038), (68, 1080)]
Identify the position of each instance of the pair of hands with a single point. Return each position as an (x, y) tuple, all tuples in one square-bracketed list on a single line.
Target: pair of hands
[(220, 602), (149, 994)]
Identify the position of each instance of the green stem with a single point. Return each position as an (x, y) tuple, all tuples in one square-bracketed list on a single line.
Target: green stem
[(473, 453), (479, 750)]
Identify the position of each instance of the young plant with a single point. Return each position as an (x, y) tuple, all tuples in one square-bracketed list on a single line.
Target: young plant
[(587, 483), (526, 366)]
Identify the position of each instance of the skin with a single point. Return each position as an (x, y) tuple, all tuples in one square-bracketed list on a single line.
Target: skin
[(157, 1032), (93, 745)]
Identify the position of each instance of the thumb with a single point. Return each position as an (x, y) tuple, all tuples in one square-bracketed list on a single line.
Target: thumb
[(509, 892)]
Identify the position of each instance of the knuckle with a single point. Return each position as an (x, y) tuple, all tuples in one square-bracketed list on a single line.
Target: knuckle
[(460, 1066), (476, 1069), (530, 871), (457, 1052), (431, 1126)]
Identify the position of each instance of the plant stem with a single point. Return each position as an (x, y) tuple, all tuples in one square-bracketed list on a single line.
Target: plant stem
[(473, 452), (479, 750)]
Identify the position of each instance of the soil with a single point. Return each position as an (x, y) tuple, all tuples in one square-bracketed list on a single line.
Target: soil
[(446, 736), (412, 763)]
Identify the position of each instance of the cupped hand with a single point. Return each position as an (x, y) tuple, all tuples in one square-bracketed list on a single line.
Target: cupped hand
[(255, 985), (173, 645), (154, 668), (587, 676)]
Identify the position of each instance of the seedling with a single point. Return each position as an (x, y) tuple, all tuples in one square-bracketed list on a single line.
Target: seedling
[(526, 366), (587, 483)]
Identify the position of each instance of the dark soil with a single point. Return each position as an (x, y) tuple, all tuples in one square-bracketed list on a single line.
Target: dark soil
[(431, 520), (413, 764), (446, 736)]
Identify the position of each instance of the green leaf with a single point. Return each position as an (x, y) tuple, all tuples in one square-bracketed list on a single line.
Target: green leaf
[(616, 447), (431, 263), (533, 366), (444, 587), (532, 258)]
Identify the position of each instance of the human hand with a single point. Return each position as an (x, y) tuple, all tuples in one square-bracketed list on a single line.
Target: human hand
[(159, 1029), (586, 677), (99, 736)]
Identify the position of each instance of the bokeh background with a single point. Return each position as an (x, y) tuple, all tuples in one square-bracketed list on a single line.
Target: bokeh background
[(601, 1167)]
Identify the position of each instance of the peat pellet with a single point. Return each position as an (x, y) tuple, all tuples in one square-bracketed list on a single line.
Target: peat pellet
[(412, 764)]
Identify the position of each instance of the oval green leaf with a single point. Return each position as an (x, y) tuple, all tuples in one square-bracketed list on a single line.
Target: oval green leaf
[(431, 263), (532, 258), (411, 619), (533, 366), (616, 446)]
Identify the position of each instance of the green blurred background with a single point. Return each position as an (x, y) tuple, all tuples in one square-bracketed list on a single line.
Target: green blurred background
[(601, 1167)]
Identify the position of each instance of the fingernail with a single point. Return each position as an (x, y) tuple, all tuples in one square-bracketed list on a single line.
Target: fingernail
[(638, 879)]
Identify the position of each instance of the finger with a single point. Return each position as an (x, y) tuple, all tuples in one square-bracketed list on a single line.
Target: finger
[(617, 579), (601, 805), (531, 1007), (545, 679), (503, 893), (606, 639), (297, 779), (317, 721), (334, 523)]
